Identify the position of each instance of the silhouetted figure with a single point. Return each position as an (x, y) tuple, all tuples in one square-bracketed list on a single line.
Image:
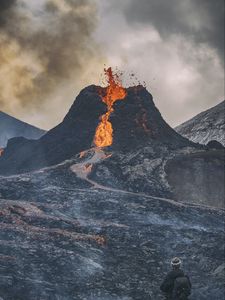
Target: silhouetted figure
[(176, 285)]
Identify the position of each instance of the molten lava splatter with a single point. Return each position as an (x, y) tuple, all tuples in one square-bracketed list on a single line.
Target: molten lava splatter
[(114, 91), (82, 154), (1, 151), (88, 168), (142, 120)]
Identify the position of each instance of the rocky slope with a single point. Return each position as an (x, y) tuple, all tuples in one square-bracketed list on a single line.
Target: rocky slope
[(185, 175), (64, 236), (206, 126), (11, 127)]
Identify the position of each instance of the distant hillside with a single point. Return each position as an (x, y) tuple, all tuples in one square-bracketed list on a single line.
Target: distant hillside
[(206, 126), (11, 127)]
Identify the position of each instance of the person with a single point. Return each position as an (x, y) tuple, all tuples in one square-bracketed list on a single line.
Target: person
[(176, 285)]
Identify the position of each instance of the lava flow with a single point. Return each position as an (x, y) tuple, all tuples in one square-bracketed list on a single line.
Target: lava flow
[(114, 91)]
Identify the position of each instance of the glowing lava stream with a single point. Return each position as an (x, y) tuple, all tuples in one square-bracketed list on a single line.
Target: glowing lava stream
[(114, 91), (84, 168)]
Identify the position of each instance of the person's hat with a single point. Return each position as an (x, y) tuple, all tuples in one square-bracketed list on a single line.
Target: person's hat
[(175, 262)]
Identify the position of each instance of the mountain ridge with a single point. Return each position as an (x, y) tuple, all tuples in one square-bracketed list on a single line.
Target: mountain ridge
[(205, 126), (11, 127)]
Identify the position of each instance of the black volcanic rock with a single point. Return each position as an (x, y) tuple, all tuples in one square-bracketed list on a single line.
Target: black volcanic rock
[(73, 135), (136, 122), (198, 177), (62, 239), (11, 127), (215, 145)]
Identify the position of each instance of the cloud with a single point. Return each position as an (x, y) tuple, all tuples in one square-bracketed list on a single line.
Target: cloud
[(6, 4), (184, 75), (50, 49), (46, 51), (201, 21)]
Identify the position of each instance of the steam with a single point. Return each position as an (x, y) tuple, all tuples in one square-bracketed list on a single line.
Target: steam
[(46, 47)]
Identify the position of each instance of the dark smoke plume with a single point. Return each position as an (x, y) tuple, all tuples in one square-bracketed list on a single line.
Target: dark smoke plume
[(42, 46)]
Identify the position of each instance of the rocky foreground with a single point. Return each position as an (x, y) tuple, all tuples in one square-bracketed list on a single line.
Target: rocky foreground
[(64, 236)]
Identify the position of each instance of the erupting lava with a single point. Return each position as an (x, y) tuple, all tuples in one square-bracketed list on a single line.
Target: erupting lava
[(114, 91)]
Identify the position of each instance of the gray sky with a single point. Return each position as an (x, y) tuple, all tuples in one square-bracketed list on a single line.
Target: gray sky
[(61, 46)]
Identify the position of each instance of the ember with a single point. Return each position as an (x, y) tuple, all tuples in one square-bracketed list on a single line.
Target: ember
[(82, 154), (88, 168), (114, 91), (142, 121)]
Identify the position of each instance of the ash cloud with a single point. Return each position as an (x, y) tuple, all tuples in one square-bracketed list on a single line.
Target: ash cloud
[(44, 47), (6, 4)]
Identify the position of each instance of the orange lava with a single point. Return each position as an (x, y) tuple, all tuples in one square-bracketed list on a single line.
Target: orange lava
[(82, 154), (88, 168), (1, 151), (142, 121), (114, 91)]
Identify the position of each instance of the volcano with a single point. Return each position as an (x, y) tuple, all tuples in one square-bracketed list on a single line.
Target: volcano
[(11, 127), (133, 120), (145, 154)]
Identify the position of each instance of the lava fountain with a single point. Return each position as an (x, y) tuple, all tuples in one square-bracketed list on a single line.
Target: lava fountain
[(114, 91)]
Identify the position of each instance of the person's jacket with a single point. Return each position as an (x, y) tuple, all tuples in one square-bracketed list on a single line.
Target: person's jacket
[(168, 283)]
